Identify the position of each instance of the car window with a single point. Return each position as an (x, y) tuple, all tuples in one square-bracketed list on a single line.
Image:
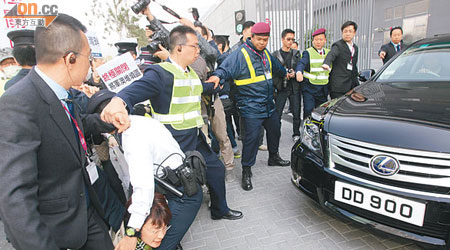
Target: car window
[(421, 63)]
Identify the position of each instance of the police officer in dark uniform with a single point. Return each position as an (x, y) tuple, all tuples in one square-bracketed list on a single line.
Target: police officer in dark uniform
[(174, 90), (23, 52), (251, 67), (313, 78), (127, 45)]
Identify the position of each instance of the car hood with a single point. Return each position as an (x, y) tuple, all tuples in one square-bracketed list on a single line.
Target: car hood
[(408, 115)]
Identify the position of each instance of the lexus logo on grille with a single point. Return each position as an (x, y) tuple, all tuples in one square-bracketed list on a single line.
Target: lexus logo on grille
[(384, 165)]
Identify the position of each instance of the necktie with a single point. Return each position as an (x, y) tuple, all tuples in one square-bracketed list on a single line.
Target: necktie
[(69, 102), (397, 48), (320, 52)]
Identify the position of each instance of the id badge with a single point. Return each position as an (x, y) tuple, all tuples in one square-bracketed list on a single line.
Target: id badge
[(349, 66), (268, 75), (92, 171)]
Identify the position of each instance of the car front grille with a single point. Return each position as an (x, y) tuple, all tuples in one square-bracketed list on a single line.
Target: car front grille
[(419, 170)]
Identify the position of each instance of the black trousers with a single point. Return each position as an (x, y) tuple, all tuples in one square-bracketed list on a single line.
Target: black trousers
[(252, 134), (295, 101), (98, 236)]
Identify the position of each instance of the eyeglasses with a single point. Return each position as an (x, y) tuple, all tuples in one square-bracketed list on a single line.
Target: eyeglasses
[(161, 230), (90, 57), (195, 46), (290, 39)]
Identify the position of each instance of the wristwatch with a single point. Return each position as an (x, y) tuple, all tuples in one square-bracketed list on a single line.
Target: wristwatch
[(132, 232)]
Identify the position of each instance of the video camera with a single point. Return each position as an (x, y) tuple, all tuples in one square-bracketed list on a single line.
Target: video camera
[(140, 6), (196, 17), (158, 37)]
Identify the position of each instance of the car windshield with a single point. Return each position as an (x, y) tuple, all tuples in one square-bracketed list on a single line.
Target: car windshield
[(425, 62)]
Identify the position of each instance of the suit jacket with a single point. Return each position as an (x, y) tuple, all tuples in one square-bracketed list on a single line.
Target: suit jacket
[(341, 79), (390, 50), (42, 166)]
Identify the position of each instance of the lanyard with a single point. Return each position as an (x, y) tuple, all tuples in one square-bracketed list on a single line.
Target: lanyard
[(80, 133), (263, 58)]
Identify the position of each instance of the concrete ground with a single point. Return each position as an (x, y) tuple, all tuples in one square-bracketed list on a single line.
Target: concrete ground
[(277, 216)]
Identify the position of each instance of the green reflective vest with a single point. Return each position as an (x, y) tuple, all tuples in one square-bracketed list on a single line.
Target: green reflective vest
[(316, 74), (185, 109), (253, 78)]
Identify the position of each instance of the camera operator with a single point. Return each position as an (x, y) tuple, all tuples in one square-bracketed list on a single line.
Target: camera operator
[(288, 87)]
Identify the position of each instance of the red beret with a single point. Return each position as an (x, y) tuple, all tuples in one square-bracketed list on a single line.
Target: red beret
[(261, 28), (318, 32)]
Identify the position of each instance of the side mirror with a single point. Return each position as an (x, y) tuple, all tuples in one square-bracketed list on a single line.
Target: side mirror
[(365, 75)]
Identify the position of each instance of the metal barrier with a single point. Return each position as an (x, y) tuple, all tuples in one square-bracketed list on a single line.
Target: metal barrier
[(304, 16)]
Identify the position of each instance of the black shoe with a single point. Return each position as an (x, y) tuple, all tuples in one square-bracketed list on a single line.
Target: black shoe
[(275, 160), (246, 178), (231, 215)]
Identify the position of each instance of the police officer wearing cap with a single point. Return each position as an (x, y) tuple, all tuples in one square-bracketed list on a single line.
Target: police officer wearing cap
[(251, 67), (310, 72), (23, 52), (127, 45)]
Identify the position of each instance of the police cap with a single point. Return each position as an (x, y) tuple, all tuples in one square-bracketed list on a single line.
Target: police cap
[(21, 37)]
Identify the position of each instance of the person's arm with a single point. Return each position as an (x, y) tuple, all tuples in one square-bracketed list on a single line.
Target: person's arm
[(153, 20), (150, 85), (20, 141), (301, 66), (382, 52), (331, 56), (93, 125), (230, 68), (277, 69), (139, 151)]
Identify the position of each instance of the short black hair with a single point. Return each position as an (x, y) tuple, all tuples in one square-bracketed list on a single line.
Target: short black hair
[(60, 37), (204, 30), (178, 36), (395, 28), (247, 25), (287, 31), (349, 23), (25, 55), (221, 40)]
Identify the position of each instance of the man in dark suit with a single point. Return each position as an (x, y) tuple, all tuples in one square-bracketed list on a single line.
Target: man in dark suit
[(47, 201), (388, 50), (342, 61)]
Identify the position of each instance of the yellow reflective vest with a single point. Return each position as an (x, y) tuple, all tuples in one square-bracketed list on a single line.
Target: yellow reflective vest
[(316, 74), (185, 109), (253, 77)]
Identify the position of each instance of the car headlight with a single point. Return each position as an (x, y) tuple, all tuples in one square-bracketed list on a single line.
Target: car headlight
[(311, 136)]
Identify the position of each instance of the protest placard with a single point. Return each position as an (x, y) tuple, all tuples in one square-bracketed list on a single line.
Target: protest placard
[(119, 72)]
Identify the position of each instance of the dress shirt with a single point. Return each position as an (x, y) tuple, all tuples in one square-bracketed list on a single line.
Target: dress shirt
[(178, 66), (350, 47), (147, 143), (59, 91), (397, 46)]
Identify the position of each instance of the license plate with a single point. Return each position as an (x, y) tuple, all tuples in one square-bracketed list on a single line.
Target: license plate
[(388, 205)]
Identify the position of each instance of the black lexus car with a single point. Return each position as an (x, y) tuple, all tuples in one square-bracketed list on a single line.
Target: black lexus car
[(380, 155)]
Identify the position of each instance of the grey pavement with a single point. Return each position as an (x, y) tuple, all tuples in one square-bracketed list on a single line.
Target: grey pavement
[(277, 216)]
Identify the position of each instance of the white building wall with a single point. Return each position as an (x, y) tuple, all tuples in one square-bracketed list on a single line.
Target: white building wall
[(221, 19)]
